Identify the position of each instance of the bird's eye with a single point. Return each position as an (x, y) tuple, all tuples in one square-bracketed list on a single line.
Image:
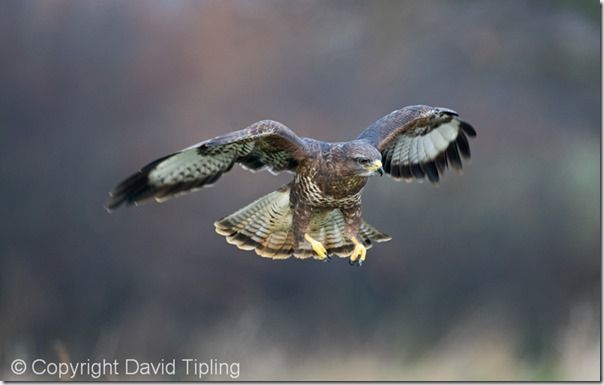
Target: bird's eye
[(363, 160)]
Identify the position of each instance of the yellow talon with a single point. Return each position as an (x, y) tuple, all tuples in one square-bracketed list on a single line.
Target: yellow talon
[(359, 252), (317, 247)]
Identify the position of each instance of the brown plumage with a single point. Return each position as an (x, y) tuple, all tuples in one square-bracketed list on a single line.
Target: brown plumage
[(319, 213)]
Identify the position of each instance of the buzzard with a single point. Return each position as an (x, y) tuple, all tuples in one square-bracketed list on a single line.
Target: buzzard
[(317, 214)]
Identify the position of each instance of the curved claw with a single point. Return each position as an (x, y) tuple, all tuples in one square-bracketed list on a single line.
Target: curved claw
[(359, 253), (358, 263)]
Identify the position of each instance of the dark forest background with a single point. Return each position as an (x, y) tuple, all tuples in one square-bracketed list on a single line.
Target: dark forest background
[(494, 275)]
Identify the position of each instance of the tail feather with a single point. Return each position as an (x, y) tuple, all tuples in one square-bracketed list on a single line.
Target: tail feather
[(371, 233), (265, 226)]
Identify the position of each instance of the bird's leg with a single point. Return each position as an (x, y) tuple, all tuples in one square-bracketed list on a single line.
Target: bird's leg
[(317, 247), (352, 215), (359, 253), (301, 227)]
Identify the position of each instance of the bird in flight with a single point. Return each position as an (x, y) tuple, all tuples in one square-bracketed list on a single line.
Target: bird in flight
[(317, 214)]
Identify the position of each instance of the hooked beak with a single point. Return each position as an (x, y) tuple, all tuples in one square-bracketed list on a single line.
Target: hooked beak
[(376, 167)]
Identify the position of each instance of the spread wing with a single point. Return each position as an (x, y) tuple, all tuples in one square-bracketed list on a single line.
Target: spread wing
[(420, 141), (265, 144)]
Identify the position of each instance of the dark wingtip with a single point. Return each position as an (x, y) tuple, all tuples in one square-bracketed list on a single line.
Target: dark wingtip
[(467, 128), (115, 201), (131, 190), (431, 171), (463, 145)]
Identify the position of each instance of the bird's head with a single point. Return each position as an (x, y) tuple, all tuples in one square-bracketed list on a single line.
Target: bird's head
[(363, 159)]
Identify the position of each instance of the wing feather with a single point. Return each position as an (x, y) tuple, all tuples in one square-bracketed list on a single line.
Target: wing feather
[(265, 144), (420, 141)]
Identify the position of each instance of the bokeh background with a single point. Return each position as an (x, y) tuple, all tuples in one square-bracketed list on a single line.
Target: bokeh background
[(494, 275)]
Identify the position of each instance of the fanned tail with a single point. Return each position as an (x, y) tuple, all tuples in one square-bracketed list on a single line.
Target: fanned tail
[(265, 226)]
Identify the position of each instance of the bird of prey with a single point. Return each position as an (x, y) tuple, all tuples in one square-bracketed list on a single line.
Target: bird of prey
[(317, 214)]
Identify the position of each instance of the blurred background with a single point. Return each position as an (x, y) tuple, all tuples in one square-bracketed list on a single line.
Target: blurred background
[(494, 275)]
